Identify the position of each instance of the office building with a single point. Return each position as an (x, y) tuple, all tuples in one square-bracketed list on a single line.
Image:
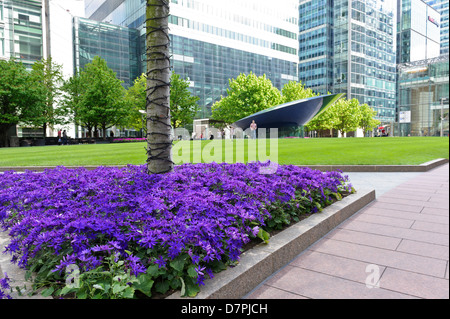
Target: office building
[(117, 45), (21, 30), (213, 41), (349, 47), (418, 33), (423, 97), (442, 6)]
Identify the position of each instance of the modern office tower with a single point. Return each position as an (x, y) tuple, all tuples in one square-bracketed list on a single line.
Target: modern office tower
[(418, 32), (349, 47), (442, 6), (21, 30), (316, 45), (423, 97), (117, 45), (213, 41)]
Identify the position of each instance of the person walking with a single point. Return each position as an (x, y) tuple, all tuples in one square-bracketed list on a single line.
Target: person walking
[(59, 137), (64, 138), (253, 128)]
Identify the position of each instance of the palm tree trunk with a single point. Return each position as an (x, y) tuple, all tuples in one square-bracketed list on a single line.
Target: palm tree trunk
[(159, 139)]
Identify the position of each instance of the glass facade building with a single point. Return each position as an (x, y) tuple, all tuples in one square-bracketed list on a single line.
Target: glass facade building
[(442, 6), (349, 47), (214, 41), (423, 97), (117, 45), (418, 31), (21, 30)]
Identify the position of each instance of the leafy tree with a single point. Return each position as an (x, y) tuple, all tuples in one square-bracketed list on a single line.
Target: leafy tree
[(74, 89), (136, 98), (323, 121), (104, 95), (183, 105), (293, 91), (96, 97), (246, 95), (20, 99), (367, 121), (159, 138), (48, 76), (345, 115)]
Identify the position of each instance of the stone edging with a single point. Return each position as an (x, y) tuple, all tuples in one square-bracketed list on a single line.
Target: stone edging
[(425, 167), (262, 261), (345, 168)]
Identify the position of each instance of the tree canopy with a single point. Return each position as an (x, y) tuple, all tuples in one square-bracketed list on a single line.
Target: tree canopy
[(246, 95), (20, 97), (96, 97)]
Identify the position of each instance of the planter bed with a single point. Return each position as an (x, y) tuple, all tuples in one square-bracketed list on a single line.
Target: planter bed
[(134, 235)]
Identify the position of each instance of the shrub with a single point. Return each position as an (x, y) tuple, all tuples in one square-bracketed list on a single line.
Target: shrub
[(131, 234)]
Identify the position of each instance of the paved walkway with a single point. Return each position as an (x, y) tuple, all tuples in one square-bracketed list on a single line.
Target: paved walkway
[(396, 247)]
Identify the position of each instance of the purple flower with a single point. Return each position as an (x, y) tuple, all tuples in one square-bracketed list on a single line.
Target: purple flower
[(207, 211)]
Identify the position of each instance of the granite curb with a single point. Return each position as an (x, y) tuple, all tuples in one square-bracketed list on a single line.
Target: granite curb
[(262, 261), (425, 167)]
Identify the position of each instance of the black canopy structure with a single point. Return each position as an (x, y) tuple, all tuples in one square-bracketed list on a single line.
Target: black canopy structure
[(296, 113)]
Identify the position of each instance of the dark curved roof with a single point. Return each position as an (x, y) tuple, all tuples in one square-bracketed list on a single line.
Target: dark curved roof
[(294, 113)]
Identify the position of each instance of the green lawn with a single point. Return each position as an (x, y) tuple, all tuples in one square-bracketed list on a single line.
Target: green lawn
[(349, 151)]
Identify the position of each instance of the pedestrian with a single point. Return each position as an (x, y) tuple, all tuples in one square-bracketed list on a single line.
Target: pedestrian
[(253, 128), (59, 137), (64, 138)]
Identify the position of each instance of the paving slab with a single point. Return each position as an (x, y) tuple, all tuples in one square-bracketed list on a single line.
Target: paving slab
[(395, 247)]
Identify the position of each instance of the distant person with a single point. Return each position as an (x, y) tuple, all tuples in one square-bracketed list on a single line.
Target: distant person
[(59, 137), (253, 128), (64, 137)]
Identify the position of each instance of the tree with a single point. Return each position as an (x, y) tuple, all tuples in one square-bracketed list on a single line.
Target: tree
[(183, 105), (159, 137), (345, 115), (367, 121), (104, 95), (293, 91), (136, 98), (48, 76), (246, 95), (19, 98), (96, 97)]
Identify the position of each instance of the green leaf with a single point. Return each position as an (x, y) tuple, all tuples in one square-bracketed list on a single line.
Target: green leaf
[(48, 292), (162, 287), (191, 272), (183, 287), (263, 235), (145, 284), (128, 293)]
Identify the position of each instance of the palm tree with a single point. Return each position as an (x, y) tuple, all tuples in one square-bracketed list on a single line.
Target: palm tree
[(159, 138)]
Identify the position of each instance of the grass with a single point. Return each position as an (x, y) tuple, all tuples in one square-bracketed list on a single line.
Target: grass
[(348, 151)]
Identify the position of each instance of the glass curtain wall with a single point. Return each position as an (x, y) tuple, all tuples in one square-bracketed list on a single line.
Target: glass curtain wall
[(423, 97), (117, 45), (214, 41), (21, 35)]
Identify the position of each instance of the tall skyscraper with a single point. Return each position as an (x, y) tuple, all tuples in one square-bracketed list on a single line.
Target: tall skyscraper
[(21, 30), (214, 40), (349, 47), (442, 6), (418, 32)]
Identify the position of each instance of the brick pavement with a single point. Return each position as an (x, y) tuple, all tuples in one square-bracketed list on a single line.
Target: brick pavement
[(396, 247)]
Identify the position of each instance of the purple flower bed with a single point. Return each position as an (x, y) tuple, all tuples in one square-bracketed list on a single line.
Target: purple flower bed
[(5, 287), (131, 234)]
